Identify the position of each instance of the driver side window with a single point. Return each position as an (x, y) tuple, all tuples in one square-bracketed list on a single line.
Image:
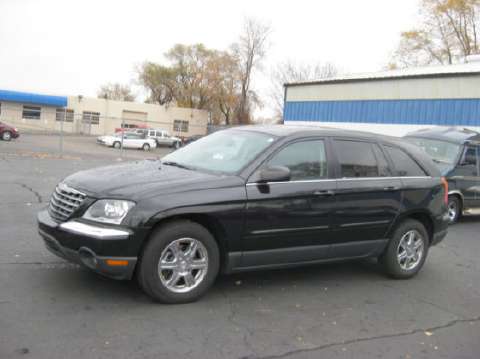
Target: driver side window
[(306, 160)]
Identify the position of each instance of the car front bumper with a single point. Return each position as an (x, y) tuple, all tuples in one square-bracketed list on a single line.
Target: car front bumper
[(85, 244)]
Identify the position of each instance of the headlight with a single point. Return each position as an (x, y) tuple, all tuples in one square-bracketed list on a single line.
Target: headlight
[(108, 211)]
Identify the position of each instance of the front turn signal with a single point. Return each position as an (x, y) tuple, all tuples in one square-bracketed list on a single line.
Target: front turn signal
[(117, 263)]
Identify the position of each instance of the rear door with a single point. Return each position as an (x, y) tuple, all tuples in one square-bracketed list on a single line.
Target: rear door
[(367, 201), (162, 139), (290, 222), (466, 176)]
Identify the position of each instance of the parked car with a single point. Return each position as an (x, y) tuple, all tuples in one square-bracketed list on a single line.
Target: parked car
[(457, 154), (8, 132), (130, 140), (162, 137), (250, 198), (129, 128), (192, 139)]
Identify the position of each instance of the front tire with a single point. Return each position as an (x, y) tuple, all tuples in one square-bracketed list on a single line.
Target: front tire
[(454, 209), (117, 145), (146, 147), (179, 263), (406, 251), (6, 136)]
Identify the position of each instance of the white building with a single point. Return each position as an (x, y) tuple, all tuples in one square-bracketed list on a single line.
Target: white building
[(85, 115)]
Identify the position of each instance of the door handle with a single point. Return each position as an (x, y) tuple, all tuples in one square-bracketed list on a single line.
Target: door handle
[(324, 193), (391, 188)]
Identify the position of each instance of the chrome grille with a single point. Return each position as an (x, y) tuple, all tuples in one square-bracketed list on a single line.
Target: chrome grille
[(64, 202)]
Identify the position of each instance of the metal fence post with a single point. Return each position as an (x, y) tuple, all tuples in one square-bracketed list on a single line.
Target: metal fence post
[(122, 129), (61, 130)]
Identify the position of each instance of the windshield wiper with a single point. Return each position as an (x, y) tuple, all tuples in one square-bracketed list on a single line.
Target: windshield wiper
[(176, 164)]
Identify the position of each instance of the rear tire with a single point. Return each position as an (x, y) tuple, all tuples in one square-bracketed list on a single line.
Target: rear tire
[(454, 209), (6, 136), (146, 147), (407, 250), (165, 271), (117, 145)]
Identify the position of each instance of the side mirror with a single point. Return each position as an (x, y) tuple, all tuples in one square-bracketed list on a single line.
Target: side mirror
[(274, 174)]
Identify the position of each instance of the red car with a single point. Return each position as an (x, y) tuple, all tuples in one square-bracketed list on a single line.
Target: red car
[(8, 132)]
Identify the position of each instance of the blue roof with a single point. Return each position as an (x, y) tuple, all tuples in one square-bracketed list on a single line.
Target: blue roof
[(33, 98)]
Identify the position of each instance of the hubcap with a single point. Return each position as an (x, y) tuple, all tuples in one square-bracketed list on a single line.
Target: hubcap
[(452, 211), (410, 250), (6, 136), (183, 265)]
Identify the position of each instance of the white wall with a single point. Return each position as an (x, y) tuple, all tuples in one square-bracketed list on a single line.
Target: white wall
[(392, 89)]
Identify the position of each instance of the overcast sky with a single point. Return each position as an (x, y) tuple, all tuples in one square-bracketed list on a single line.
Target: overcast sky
[(71, 47)]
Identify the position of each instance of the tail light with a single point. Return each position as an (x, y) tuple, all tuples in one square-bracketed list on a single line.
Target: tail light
[(445, 188)]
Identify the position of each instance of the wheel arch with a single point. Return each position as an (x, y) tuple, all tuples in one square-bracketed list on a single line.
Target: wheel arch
[(207, 221), (423, 217)]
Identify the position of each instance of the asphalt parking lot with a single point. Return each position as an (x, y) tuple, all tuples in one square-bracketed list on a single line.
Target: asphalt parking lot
[(53, 309)]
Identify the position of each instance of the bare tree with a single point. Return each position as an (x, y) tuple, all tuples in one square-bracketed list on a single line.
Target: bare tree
[(287, 72), (250, 50), (116, 91), (448, 33)]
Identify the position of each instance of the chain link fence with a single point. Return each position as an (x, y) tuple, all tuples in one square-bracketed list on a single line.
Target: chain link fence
[(70, 130)]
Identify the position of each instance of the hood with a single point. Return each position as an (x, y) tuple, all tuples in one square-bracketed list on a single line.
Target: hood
[(135, 180)]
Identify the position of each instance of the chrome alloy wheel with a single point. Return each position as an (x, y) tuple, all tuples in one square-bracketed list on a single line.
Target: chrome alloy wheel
[(183, 265), (410, 250), (452, 211)]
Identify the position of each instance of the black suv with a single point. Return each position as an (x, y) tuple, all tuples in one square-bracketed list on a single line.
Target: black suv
[(250, 198), (457, 154)]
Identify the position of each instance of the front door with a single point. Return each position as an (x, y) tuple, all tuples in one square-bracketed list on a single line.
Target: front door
[(289, 222), (367, 200)]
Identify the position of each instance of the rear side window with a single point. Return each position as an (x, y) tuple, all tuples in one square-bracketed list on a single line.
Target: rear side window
[(404, 165), (356, 159), (306, 160), (470, 156), (383, 167)]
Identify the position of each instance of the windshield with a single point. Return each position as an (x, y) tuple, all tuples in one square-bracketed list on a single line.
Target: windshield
[(223, 151), (442, 152)]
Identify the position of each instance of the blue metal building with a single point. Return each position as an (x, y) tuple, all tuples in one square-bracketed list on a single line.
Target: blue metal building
[(391, 102)]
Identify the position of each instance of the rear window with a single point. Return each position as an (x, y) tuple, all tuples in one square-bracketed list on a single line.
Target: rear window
[(405, 166)]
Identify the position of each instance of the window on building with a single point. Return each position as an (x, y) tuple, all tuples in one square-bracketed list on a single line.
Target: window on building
[(63, 113), (128, 125), (404, 164), (357, 159), (90, 117), (180, 126), (31, 112), (306, 160)]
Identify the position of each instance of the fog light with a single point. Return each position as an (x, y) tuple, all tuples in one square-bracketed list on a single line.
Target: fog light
[(88, 257)]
